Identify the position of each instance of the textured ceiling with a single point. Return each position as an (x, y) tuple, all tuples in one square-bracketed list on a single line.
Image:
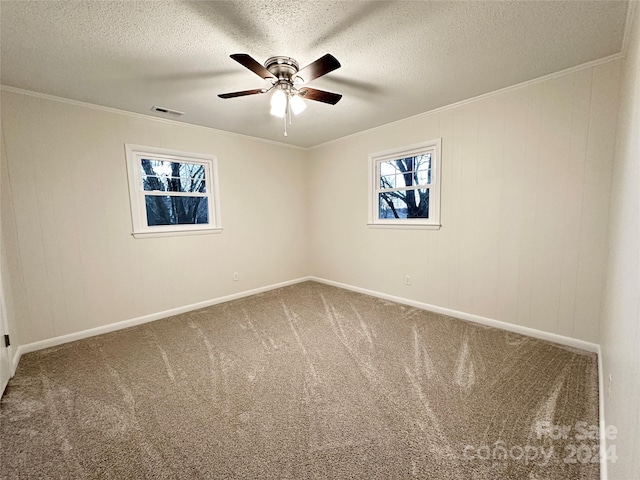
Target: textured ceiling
[(398, 58)]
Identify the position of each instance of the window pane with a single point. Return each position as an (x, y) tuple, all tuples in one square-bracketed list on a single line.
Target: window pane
[(423, 177), (396, 181), (423, 162), (406, 164), (408, 171), (404, 180), (388, 181), (169, 210), (389, 168), (163, 176), (404, 204)]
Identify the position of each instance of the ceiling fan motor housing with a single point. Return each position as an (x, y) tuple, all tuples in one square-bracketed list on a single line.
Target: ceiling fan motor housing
[(283, 68)]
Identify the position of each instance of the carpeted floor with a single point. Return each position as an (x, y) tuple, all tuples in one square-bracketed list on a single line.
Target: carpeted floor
[(307, 381)]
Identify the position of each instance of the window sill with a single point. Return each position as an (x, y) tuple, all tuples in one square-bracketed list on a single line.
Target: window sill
[(175, 233), (404, 226)]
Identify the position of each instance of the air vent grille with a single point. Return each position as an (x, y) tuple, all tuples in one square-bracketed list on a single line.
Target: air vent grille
[(165, 110)]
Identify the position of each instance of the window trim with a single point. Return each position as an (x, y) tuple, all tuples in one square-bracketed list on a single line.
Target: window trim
[(134, 154), (433, 222)]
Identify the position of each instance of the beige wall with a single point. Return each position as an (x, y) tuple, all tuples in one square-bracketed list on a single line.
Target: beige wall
[(525, 192), (620, 328), (10, 265), (525, 172), (69, 260), (527, 181)]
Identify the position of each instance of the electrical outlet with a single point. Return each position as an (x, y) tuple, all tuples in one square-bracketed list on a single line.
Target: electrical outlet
[(236, 277), (407, 280)]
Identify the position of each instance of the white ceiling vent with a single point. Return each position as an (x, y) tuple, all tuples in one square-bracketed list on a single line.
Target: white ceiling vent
[(155, 108)]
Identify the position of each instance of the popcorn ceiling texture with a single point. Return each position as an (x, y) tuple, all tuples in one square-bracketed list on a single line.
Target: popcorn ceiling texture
[(398, 59), (307, 381)]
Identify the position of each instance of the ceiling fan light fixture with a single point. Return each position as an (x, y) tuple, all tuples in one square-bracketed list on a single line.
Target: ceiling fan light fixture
[(297, 105), (284, 74), (279, 103)]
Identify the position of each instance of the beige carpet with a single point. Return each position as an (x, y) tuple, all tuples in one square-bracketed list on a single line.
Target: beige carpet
[(307, 381)]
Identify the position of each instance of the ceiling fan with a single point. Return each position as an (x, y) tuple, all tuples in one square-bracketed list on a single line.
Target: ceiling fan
[(288, 81)]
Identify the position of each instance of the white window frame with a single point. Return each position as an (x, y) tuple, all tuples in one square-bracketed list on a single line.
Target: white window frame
[(375, 159), (134, 155)]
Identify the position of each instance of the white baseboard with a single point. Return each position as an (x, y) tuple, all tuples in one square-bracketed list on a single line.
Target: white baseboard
[(15, 359), (71, 337), (531, 332), (604, 474)]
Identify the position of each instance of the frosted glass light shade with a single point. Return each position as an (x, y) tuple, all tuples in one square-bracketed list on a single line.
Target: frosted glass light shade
[(297, 105), (278, 103)]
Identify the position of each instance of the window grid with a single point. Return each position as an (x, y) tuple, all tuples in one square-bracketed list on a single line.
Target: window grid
[(179, 197), (404, 187)]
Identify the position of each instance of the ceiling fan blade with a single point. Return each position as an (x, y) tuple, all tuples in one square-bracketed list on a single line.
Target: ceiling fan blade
[(320, 67), (242, 93), (249, 62), (320, 95)]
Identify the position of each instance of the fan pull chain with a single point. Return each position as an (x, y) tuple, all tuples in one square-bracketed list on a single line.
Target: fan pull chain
[(287, 115)]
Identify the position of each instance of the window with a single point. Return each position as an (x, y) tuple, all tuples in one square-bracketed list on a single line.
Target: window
[(404, 186), (172, 192)]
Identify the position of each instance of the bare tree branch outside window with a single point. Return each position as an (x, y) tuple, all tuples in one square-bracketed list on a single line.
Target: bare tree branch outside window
[(159, 176), (401, 181)]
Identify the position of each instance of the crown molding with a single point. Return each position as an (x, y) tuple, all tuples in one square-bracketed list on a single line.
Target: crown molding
[(78, 103), (631, 7), (561, 73)]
